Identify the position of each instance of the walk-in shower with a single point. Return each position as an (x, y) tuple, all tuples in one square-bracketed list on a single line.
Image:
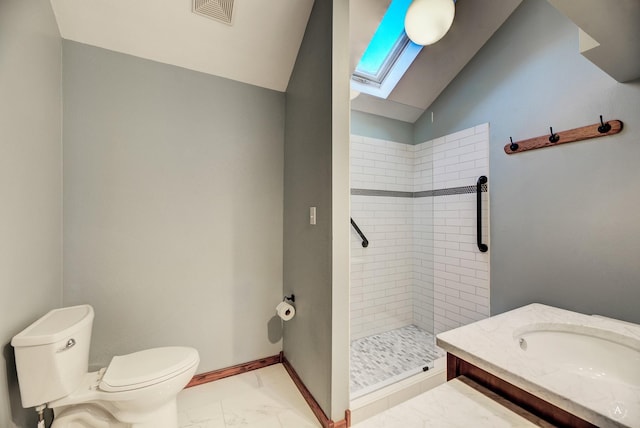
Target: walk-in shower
[(421, 272)]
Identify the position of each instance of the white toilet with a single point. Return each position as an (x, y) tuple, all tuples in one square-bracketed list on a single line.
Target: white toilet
[(137, 390)]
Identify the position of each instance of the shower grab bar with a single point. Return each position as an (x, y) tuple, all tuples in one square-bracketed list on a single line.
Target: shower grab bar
[(365, 241), (481, 180)]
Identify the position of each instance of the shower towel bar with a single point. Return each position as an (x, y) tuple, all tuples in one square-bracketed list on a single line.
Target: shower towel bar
[(481, 180), (365, 241)]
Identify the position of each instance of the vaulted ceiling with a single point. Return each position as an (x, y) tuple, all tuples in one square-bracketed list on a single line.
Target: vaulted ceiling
[(261, 44), (259, 48)]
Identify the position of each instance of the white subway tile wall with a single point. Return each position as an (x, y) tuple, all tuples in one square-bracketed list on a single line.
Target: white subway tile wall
[(423, 310), (381, 165), (460, 270), (381, 274), (422, 266), (423, 297)]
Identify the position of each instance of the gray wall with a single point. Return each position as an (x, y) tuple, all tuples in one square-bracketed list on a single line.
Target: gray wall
[(564, 219), (30, 182), (307, 183), (371, 125), (172, 207)]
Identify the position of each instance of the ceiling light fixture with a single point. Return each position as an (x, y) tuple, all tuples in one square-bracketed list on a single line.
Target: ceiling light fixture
[(427, 21)]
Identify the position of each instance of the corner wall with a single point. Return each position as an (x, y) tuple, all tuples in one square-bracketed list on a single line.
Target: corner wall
[(564, 227), (316, 257), (173, 207), (30, 182), (307, 183)]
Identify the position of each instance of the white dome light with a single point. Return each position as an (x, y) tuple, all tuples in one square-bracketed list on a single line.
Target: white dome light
[(427, 21)]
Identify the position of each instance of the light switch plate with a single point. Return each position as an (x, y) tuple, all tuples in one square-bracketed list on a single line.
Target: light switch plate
[(312, 215)]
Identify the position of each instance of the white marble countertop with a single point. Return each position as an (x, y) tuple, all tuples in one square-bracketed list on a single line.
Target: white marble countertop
[(492, 345)]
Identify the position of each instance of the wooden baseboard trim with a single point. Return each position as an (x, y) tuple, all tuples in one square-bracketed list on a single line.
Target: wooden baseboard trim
[(214, 375), (311, 401), (344, 423), (313, 404)]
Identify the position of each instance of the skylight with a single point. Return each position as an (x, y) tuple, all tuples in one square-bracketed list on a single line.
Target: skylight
[(388, 56)]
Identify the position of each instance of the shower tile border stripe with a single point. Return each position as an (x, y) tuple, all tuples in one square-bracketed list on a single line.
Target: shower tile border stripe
[(422, 194), (388, 193)]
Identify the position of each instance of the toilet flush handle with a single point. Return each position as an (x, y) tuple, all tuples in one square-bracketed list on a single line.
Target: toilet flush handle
[(70, 344)]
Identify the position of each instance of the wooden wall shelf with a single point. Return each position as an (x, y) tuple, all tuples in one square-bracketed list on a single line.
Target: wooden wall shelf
[(553, 139)]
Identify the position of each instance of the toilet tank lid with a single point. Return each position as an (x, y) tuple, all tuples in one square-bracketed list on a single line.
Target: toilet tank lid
[(148, 367), (54, 326)]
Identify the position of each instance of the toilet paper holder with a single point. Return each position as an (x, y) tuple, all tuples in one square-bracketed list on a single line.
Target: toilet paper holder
[(291, 298)]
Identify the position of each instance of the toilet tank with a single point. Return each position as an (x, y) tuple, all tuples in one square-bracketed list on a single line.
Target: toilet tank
[(52, 354)]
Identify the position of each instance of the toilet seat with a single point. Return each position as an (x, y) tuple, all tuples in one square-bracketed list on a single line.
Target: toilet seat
[(148, 367)]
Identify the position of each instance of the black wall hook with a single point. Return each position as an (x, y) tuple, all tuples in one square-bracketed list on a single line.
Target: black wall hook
[(513, 146), (604, 127), (553, 138)]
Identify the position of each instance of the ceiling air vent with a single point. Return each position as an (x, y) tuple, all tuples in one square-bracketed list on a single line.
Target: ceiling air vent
[(220, 10)]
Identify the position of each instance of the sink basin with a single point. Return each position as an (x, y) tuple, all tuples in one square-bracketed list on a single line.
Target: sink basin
[(586, 365), (600, 355)]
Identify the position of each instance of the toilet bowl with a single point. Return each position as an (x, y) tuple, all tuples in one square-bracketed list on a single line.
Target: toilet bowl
[(137, 390)]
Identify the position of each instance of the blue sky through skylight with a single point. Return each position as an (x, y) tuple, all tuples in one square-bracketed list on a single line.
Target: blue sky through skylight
[(389, 31)]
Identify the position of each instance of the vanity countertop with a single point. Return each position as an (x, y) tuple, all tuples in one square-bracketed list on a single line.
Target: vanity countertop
[(492, 345)]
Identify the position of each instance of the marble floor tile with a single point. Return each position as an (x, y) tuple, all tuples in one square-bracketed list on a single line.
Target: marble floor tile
[(264, 398), (459, 403)]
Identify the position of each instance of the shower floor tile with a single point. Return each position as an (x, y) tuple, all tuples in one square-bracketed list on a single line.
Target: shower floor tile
[(382, 359)]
